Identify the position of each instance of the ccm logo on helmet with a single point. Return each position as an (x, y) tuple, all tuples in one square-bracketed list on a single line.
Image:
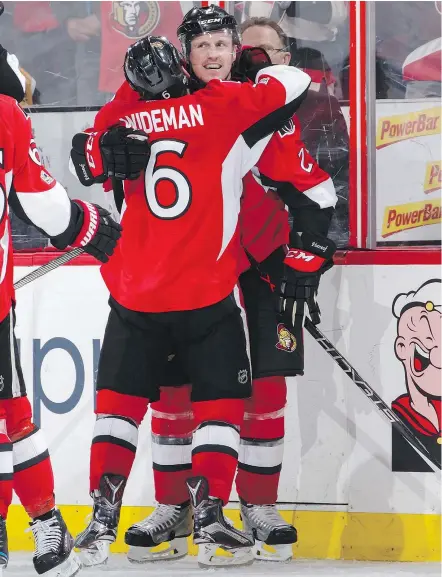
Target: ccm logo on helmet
[(212, 20)]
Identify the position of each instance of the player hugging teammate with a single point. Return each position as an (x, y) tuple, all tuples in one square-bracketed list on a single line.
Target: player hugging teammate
[(196, 374)]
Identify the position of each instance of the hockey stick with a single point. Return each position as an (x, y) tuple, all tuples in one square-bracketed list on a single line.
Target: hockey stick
[(398, 425), (42, 270), (68, 256)]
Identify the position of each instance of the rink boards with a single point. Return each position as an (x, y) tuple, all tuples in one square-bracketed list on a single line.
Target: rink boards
[(337, 483)]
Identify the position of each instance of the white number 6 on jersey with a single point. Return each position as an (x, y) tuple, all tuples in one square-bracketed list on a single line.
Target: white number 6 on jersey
[(154, 175)]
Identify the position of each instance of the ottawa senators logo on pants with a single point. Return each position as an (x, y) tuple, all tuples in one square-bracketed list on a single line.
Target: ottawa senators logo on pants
[(286, 341)]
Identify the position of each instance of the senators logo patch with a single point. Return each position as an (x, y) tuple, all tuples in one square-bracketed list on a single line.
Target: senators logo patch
[(286, 341), (135, 19)]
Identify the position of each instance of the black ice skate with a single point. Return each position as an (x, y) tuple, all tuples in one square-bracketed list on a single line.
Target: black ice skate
[(95, 540), (4, 553), (168, 523), (212, 530), (269, 528), (54, 547)]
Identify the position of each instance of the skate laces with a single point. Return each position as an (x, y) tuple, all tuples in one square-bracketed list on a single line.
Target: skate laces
[(47, 535), (161, 517), (266, 515)]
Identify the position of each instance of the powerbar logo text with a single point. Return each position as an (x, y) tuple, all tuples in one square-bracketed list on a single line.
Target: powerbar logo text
[(412, 215), (433, 176), (404, 126)]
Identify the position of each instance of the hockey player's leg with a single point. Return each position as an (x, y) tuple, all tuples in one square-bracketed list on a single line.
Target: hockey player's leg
[(33, 483), (214, 461), (32, 477), (6, 468), (171, 521), (113, 449), (131, 359), (259, 467)]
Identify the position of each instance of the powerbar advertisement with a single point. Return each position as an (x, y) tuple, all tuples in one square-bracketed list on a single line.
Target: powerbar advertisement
[(408, 171)]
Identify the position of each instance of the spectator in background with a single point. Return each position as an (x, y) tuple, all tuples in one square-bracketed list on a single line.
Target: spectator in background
[(422, 71), (81, 24), (42, 48), (102, 32), (408, 49), (323, 127), (322, 26)]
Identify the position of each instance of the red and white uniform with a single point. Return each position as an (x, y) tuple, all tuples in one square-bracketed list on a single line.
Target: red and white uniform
[(284, 163), (181, 220), (25, 182)]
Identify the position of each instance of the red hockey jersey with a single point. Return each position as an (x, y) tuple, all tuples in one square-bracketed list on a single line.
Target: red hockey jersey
[(179, 247), (284, 163), (43, 201)]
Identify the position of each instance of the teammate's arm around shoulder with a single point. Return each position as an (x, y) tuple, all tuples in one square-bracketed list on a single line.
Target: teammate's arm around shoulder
[(37, 198), (276, 95)]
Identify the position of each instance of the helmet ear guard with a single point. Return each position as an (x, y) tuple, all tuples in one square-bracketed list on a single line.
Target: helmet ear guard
[(153, 68)]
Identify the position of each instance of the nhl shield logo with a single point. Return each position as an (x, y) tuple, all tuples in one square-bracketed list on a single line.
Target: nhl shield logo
[(243, 376), (286, 341)]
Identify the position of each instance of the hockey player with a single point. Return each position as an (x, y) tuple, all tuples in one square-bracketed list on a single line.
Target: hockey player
[(276, 348), (187, 238), (264, 226), (37, 198)]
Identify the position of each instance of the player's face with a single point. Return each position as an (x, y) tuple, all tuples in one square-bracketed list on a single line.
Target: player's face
[(268, 39), (212, 55)]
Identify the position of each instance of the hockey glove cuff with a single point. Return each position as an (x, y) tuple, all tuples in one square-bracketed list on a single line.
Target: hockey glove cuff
[(119, 152), (303, 268), (93, 228)]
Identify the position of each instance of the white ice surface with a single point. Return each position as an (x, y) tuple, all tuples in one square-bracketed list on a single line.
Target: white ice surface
[(21, 564)]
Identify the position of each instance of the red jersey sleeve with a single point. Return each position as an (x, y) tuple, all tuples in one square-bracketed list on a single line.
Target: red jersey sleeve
[(35, 194), (287, 166), (278, 92)]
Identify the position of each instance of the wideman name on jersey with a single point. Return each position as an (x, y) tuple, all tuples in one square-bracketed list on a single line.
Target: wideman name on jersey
[(162, 120)]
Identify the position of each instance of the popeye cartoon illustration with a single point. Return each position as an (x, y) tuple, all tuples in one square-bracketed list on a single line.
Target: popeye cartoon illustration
[(418, 348)]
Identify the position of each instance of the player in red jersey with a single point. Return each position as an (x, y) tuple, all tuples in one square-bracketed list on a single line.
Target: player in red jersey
[(276, 347), (173, 419), (37, 198), (181, 222)]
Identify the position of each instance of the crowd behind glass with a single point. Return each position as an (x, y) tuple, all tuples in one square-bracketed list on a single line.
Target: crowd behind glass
[(73, 52)]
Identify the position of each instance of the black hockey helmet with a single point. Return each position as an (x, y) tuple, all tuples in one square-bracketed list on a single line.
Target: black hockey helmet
[(152, 67), (206, 19)]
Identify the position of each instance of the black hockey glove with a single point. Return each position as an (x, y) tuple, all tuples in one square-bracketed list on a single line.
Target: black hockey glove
[(92, 228), (249, 62), (118, 152), (295, 275)]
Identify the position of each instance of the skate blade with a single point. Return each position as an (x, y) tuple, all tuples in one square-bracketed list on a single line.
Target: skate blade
[(275, 553), (175, 549), (96, 554), (70, 567), (207, 557)]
